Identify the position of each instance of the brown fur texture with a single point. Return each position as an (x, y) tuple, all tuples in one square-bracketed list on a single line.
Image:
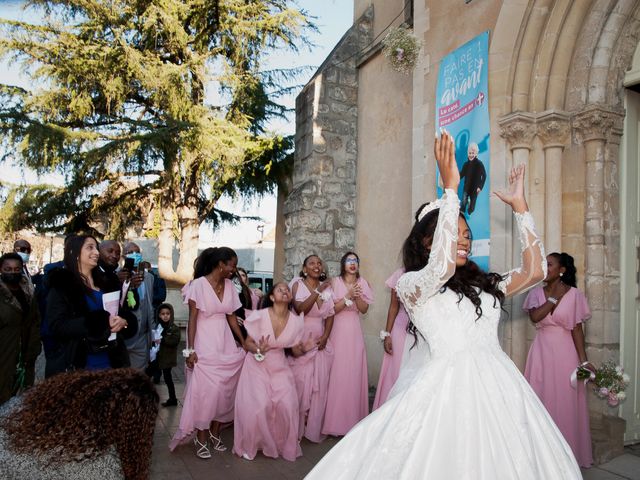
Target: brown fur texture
[(83, 414)]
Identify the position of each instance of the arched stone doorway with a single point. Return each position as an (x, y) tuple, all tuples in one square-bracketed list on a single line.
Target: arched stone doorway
[(563, 115)]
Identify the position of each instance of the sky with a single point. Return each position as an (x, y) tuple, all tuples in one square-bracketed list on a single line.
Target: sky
[(332, 18)]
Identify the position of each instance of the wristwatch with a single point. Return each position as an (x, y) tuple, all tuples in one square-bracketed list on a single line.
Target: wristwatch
[(553, 300)]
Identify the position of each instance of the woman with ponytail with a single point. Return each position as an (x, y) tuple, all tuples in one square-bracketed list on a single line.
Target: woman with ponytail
[(213, 358), (558, 310)]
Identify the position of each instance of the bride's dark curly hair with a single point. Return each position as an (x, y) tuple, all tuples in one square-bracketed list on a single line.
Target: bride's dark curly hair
[(467, 280), (83, 414)]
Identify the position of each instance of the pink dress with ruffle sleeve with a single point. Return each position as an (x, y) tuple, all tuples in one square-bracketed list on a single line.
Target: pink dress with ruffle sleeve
[(391, 363), (550, 363), (210, 388), (312, 369), (266, 408), (347, 398)]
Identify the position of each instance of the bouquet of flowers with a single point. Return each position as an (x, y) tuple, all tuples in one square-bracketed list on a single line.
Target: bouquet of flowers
[(401, 47), (611, 382)]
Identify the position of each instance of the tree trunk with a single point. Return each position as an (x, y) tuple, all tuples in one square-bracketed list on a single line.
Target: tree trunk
[(189, 231), (179, 211)]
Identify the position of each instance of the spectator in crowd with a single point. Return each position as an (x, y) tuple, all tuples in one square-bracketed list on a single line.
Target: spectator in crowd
[(159, 285), (139, 345), (81, 327), (166, 356), (23, 248), (19, 327), (42, 291)]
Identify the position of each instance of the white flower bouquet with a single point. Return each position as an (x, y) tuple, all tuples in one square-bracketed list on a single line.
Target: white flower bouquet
[(611, 382), (402, 48)]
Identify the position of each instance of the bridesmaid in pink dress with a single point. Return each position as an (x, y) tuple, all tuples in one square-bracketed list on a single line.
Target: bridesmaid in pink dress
[(347, 399), (255, 293), (213, 358), (394, 335), (311, 368), (267, 414), (558, 311)]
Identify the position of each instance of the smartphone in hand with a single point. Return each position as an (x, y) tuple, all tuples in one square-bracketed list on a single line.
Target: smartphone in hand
[(129, 265)]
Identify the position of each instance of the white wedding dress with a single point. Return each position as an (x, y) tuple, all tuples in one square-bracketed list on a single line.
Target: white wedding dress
[(468, 413)]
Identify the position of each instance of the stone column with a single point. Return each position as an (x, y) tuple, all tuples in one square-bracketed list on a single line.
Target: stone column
[(591, 127), (554, 131), (518, 129), (598, 130)]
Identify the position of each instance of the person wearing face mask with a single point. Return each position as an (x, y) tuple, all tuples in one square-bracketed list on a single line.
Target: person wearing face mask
[(23, 248), (19, 326), (140, 344)]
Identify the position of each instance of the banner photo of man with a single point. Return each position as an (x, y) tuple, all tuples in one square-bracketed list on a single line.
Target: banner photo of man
[(462, 108)]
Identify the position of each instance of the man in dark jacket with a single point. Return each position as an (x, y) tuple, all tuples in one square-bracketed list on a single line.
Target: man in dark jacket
[(474, 176)]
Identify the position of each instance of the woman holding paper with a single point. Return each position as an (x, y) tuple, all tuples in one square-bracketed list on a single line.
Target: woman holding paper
[(87, 335), (558, 311)]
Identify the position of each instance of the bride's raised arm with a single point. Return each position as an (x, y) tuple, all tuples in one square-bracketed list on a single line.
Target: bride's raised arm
[(533, 268), (414, 288)]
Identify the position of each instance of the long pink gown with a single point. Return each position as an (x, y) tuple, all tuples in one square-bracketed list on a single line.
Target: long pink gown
[(391, 363), (267, 413), (552, 358), (347, 398), (210, 388), (312, 369)]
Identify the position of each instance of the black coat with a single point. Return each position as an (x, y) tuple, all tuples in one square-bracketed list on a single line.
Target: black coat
[(474, 174), (78, 331)]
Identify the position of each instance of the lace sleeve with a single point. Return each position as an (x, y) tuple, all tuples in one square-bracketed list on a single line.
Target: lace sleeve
[(414, 288), (534, 262)]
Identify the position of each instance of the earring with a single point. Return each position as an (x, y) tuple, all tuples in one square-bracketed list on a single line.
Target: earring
[(561, 274), (304, 274)]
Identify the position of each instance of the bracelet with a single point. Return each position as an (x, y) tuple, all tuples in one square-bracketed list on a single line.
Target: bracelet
[(258, 356), (317, 292), (347, 302), (186, 353), (384, 334), (585, 363), (553, 300)]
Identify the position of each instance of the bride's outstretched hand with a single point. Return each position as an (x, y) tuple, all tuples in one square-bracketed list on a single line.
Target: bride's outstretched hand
[(445, 153), (514, 196)]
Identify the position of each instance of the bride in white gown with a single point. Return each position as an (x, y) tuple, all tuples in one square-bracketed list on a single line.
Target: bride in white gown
[(468, 413)]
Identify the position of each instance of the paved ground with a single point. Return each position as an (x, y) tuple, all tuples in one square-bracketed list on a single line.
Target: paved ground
[(182, 464)]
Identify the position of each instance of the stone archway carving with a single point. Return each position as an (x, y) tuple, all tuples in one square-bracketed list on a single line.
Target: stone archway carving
[(566, 85)]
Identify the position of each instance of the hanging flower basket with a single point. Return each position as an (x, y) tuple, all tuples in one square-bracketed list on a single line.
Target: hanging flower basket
[(402, 48)]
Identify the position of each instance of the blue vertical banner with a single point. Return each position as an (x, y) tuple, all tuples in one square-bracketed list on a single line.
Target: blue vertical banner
[(462, 108)]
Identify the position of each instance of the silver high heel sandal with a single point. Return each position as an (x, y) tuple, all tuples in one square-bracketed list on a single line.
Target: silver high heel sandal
[(216, 442), (202, 449)]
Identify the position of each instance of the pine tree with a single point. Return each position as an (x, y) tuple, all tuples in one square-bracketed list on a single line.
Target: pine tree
[(119, 108)]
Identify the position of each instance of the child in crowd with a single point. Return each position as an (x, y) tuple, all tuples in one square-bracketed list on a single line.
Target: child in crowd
[(167, 354)]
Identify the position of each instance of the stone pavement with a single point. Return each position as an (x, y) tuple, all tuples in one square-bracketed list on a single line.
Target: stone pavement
[(183, 464)]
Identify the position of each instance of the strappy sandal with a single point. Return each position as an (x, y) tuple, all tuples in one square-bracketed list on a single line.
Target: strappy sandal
[(202, 449), (218, 446)]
